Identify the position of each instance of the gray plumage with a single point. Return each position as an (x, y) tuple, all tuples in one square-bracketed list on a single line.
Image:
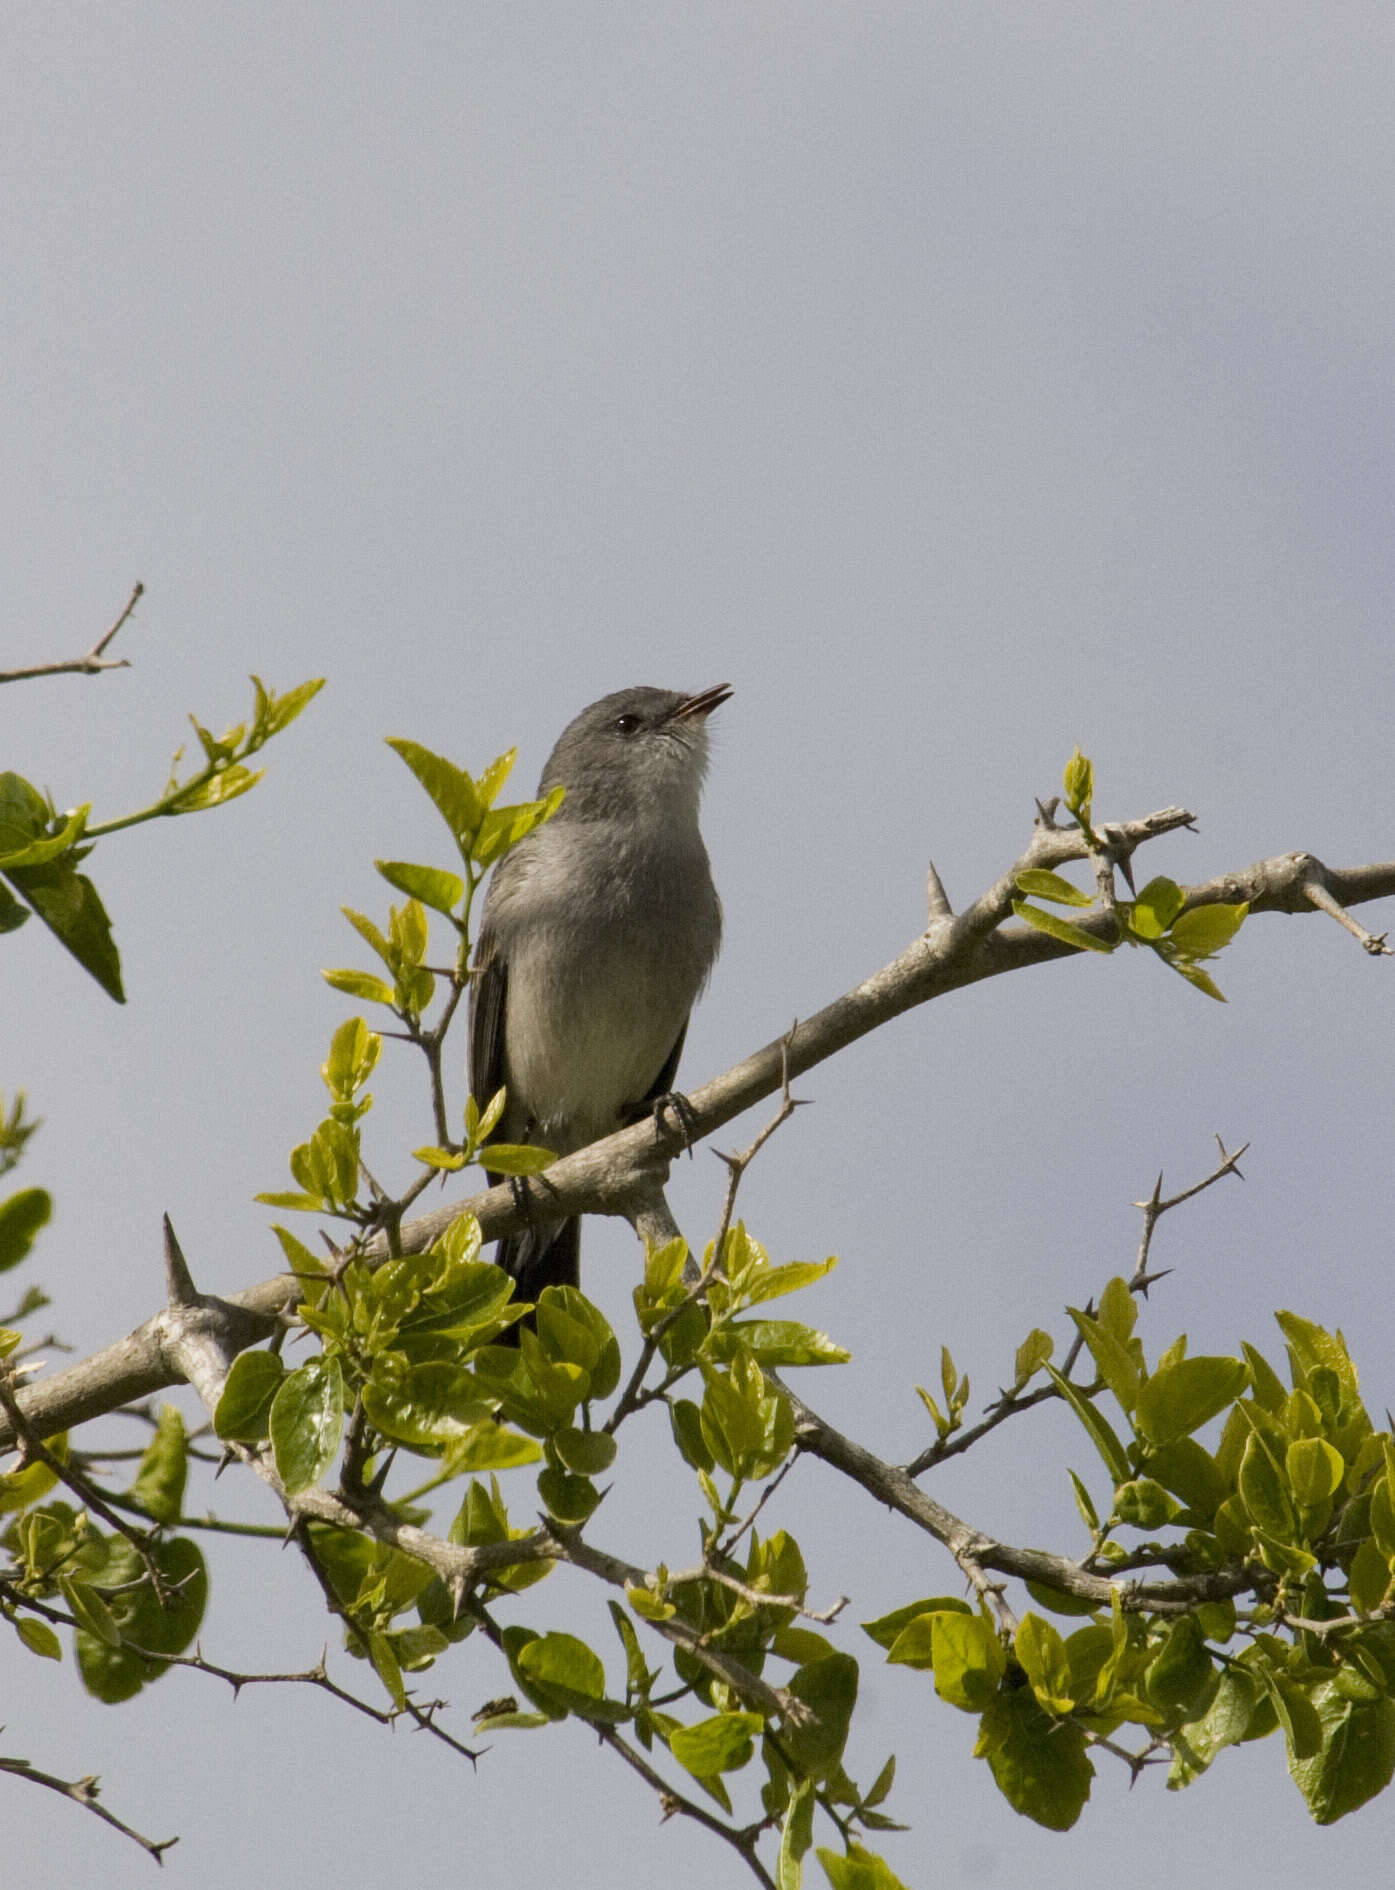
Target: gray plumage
[(599, 931)]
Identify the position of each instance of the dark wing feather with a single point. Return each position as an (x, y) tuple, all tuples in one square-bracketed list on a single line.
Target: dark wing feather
[(535, 1256), (489, 985), (662, 1084)]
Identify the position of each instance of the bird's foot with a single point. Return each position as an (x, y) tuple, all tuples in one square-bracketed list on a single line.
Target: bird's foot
[(684, 1117)]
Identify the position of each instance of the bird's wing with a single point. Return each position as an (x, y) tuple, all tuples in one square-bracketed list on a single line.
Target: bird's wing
[(662, 1084), (489, 985)]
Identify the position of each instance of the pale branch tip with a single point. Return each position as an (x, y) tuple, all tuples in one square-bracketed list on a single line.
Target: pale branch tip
[(93, 663)]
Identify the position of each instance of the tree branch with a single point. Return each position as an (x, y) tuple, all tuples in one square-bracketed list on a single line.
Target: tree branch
[(625, 1173), (83, 1791), (92, 664)]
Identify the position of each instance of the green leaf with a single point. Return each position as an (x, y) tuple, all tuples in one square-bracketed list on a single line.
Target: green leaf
[(244, 1410), (1311, 1347), (886, 1629), (776, 1282), (796, 1836), (1178, 1399), (1089, 1515), (859, 1869), (386, 1665), (1061, 929), (492, 778), (1356, 1759), (1195, 975), (114, 1674), (881, 1788), (570, 1499), (306, 1422), (1156, 907), (69, 906), (24, 813), (21, 1217), (444, 1159), (1031, 1355), (1117, 1365), (433, 886), (230, 782), (1058, 1600), (1226, 1721), (39, 1638), (565, 1669), (1043, 885), (504, 827), (969, 1660), (1206, 930), (159, 1484), (429, 1407), (364, 986), (828, 1687), (588, 1453), (1267, 1386), (490, 1446), (280, 711), (1079, 785), (452, 792), (1297, 1715), (685, 1420), (90, 1612), (1315, 1471), (44, 849), (1101, 1432), (1264, 1492), (1042, 1655), (371, 936), (1181, 1670), (1191, 1473), (516, 1158), (1038, 1762), (1143, 1503), (723, 1743), (777, 1342), (12, 914)]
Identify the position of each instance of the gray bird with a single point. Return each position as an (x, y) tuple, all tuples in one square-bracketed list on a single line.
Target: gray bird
[(599, 931)]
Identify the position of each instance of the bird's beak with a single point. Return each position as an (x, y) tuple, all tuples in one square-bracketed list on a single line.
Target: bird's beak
[(697, 708)]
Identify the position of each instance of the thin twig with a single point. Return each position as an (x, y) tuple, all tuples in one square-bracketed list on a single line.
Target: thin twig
[(33, 1449), (1155, 1207), (95, 660), (743, 1842), (1316, 888), (671, 1800), (83, 1791)]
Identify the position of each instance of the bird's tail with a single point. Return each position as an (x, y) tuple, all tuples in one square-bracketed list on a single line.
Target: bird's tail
[(540, 1256)]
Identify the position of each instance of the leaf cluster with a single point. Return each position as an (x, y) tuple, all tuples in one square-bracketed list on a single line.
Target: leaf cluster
[(1158, 917), (1285, 1530), (42, 849)]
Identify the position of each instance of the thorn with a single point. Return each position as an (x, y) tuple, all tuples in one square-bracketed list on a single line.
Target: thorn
[(179, 1282), (936, 898)]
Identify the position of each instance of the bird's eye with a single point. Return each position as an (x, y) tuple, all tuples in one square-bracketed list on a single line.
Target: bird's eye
[(626, 724)]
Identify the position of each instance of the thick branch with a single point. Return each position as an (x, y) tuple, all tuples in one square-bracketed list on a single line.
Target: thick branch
[(625, 1173)]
